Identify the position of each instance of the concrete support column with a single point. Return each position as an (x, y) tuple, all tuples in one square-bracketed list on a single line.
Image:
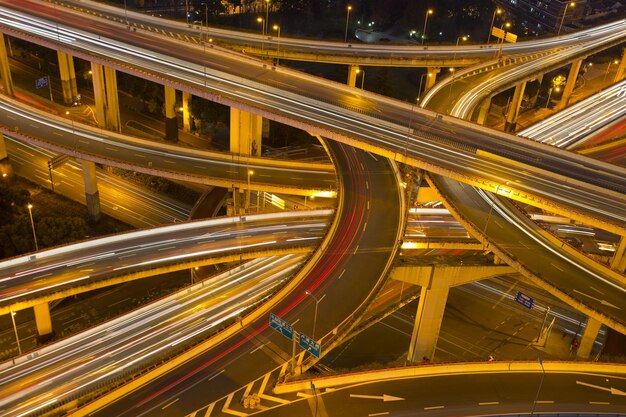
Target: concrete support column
[(513, 112), (245, 132), (352, 75), (569, 84), (186, 113), (618, 262), (428, 319), (112, 101), (619, 75), (483, 111), (3, 148), (171, 121), (99, 93), (43, 320), (92, 195), (589, 337), (431, 79), (68, 77), (5, 70)]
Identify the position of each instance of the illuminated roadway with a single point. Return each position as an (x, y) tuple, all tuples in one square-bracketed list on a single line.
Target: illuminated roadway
[(441, 145)]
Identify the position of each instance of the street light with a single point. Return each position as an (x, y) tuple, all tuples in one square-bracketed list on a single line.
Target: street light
[(17, 338), (267, 13), (571, 4), (459, 38), (543, 374), (250, 173), (277, 28), (493, 19), (345, 37), (428, 12), (317, 301), (32, 224), (67, 113), (262, 22), (507, 25), (615, 61), (126, 13), (419, 90), (358, 71)]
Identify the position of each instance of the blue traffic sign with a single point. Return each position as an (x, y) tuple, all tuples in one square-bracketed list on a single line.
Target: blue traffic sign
[(281, 326), (309, 345), (41, 82), (525, 300)]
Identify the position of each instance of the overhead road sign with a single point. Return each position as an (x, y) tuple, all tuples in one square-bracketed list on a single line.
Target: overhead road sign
[(525, 300), (309, 345), (41, 82), (281, 326)]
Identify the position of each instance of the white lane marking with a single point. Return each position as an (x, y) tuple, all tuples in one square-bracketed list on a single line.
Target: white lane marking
[(556, 267), (436, 407), (489, 403), (599, 403), (168, 404), (544, 402), (217, 374), (386, 413)]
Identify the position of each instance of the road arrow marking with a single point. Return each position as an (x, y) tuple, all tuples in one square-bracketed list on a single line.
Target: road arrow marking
[(383, 397), (612, 390), (603, 302)]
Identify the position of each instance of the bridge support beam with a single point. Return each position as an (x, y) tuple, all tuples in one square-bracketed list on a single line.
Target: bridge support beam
[(352, 75), (171, 121), (68, 78), (618, 262), (619, 75), (92, 195), (106, 98), (513, 111), (5, 70), (588, 338), (431, 78), (569, 84), (43, 320), (483, 111), (436, 282), (186, 113), (3, 148), (246, 131)]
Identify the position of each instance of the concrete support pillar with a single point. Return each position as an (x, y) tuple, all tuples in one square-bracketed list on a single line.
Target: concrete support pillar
[(245, 132), (43, 320), (618, 262), (99, 93), (589, 337), (352, 75), (5, 70), (171, 121), (68, 77), (483, 111), (112, 101), (514, 105), (428, 319), (92, 195), (431, 79), (569, 84), (3, 148), (186, 113), (619, 75)]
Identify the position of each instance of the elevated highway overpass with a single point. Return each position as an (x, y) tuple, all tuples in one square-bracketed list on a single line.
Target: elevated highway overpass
[(397, 131)]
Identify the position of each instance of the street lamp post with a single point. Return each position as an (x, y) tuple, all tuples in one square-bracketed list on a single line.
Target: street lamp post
[(493, 19), (570, 4), (317, 301), (267, 14), (543, 374), (32, 224), (428, 12), (507, 25), (419, 90), (549, 95), (277, 28), (615, 61), (345, 36), (17, 338), (358, 71), (126, 13), (459, 38), (262, 22), (250, 173), (186, 11)]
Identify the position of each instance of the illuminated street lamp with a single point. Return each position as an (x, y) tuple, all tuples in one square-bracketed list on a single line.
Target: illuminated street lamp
[(615, 61), (17, 338), (571, 4), (493, 19), (428, 12), (504, 25), (67, 113), (262, 22), (317, 301), (32, 224), (345, 37), (250, 173), (358, 71), (277, 28)]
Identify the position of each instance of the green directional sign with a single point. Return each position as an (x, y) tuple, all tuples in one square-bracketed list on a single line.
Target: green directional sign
[(309, 345), (281, 326)]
